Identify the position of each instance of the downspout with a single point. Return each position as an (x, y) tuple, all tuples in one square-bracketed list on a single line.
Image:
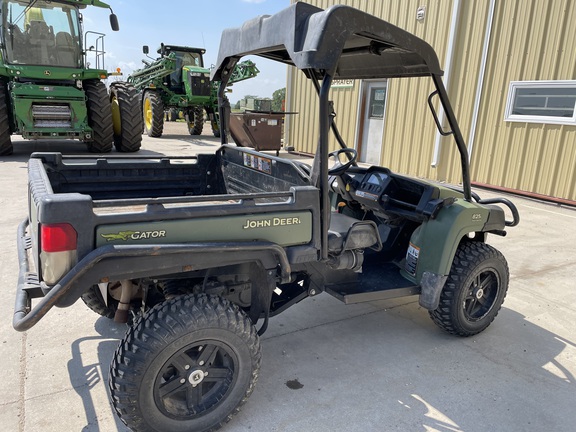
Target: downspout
[(481, 78), (454, 22)]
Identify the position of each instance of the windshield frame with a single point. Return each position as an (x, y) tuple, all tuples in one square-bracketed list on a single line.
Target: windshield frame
[(41, 33)]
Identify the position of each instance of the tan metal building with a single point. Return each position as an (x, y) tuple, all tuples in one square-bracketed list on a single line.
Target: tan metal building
[(510, 70)]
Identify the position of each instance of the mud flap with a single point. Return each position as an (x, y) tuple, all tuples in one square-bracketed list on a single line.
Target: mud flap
[(431, 287), (263, 284)]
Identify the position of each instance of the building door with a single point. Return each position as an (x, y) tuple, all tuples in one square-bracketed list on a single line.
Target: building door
[(372, 126)]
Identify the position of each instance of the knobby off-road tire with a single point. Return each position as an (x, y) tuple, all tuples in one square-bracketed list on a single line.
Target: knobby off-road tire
[(93, 299), (5, 133), (188, 364), (99, 117), (475, 290), (126, 117), (195, 127), (212, 115), (153, 110)]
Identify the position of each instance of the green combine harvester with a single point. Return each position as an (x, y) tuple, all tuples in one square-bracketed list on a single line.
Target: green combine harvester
[(178, 82), (48, 89)]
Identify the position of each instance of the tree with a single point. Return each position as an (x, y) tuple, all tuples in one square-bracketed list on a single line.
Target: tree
[(278, 98)]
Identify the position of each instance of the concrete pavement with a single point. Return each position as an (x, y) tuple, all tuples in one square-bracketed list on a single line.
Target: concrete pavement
[(378, 366)]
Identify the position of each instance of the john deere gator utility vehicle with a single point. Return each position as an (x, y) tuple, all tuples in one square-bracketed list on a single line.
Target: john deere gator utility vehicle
[(178, 81), (222, 242), (48, 90)]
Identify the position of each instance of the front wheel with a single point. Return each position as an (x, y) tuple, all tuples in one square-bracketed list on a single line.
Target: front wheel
[(195, 127), (153, 111), (99, 117), (188, 364), (475, 290), (126, 117), (5, 141)]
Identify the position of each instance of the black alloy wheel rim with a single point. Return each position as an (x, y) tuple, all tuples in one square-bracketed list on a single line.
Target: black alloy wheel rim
[(481, 295), (195, 379)]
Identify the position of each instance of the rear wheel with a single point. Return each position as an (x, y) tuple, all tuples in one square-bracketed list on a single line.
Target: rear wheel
[(214, 123), (99, 117), (187, 364), (5, 133), (172, 114), (126, 117), (195, 127), (474, 291), (153, 114)]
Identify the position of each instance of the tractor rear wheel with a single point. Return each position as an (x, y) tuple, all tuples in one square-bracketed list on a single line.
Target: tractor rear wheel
[(153, 114), (475, 290), (99, 117), (126, 117), (189, 363), (195, 127), (5, 141)]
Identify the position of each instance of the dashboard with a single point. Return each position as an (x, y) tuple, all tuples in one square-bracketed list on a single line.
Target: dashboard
[(381, 190)]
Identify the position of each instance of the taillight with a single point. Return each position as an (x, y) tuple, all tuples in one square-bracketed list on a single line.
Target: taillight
[(58, 238)]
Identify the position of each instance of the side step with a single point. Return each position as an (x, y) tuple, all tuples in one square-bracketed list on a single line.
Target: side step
[(32, 286), (349, 294), (376, 282)]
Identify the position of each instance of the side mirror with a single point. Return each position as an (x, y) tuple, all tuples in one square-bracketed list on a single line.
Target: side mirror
[(145, 49), (114, 22)]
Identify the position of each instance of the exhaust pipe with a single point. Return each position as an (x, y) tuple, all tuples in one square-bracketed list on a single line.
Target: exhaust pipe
[(121, 315)]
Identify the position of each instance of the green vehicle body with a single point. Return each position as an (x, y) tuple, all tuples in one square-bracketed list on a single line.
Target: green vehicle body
[(438, 239), (154, 76), (45, 77), (284, 229), (181, 83), (26, 96)]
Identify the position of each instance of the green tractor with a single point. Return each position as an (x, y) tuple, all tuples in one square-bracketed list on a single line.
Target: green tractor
[(177, 82), (48, 89)]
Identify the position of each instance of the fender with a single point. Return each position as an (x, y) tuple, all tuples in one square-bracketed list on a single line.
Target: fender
[(433, 244)]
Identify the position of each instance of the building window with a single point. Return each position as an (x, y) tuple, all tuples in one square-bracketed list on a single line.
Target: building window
[(377, 103), (542, 102)]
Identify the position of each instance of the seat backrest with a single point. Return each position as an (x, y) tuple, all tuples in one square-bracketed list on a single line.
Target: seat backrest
[(41, 38), (66, 49), (348, 233), (39, 32)]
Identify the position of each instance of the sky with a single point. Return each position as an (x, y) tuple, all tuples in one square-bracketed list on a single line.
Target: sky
[(179, 22)]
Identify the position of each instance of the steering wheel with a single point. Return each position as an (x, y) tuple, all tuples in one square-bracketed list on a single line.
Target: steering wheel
[(340, 167)]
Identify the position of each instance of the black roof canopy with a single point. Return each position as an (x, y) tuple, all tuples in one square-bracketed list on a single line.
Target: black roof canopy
[(337, 43), (341, 41)]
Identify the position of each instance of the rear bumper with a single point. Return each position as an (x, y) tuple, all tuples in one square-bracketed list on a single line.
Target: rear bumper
[(118, 262)]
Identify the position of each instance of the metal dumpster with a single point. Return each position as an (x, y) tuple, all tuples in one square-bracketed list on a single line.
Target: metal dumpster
[(259, 130)]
